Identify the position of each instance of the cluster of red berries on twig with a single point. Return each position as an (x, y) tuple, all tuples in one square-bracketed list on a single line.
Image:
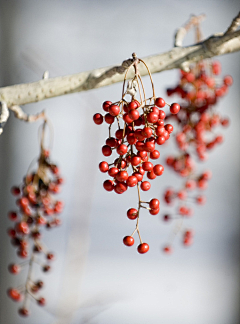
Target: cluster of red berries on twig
[(201, 89), (143, 127), (38, 208)]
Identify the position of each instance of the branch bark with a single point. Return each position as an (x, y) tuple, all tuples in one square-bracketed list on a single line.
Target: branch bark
[(178, 57)]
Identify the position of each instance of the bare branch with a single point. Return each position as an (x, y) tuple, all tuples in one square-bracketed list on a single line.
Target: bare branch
[(20, 114), (178, 57), (234, 25), (4, 114), (182, 31)]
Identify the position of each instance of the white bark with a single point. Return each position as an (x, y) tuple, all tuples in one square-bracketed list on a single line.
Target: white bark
[(178, 57)]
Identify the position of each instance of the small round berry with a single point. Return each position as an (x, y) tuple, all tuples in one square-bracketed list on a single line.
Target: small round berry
[(174, 108), (46, 268), (162, 116), (169, 128), (152, 117), (154, 155), (113, 172), (127, 118), (108, 185), (147, 132), (41, 301), (103, 166), (154, 203), (114, 110), (145, 185), (151, 175), (132, 213), (119, 134), (160, 102), (12, 216), (120, 187), (122, 176), (122, 149), (109, 119), (22, 227), (147, 166), (14, 268), (154, 211), (133, 105), (228, 80), (106, 105), (158, 169), (149, 146), (98, 119), (106, 150), (161, 140), (131, 139), (168, 249), (23, 311), (143, 248), (128, 240), (132, 181), (14, 294), (50, 256), (111, 141), (135, 160), (134, 114), (15, 191)]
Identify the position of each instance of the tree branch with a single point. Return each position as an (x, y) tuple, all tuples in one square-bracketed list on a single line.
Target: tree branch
[(178, 57)]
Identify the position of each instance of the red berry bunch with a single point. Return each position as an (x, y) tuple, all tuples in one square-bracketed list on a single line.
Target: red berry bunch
[(201, 89), (134, 143), (38, 208)]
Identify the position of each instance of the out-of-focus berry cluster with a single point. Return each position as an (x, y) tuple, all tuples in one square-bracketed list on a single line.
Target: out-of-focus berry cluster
[(37, 208), (201, 89)]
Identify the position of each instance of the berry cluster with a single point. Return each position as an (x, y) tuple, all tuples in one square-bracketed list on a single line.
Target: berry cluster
[(38, 208), (143, 127), (201, 89)]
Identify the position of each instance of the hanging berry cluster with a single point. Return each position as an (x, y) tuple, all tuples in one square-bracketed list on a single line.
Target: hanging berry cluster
[(134, 142), (38, 208), (201, 88)]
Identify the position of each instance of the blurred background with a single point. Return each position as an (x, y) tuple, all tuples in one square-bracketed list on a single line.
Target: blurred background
[(95, 278)]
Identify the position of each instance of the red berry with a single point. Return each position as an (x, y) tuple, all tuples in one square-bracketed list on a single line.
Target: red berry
[(154, 203), (133, 105), (154, 155), (114, 110), (103, 166), (127, 118), (113, 171), (106, 105), (132, 213), (108, 185), (12, 216), (14, 294), (151, 175), (154, 211), (98, 119), (145, 185), (41, 301), (128, 240), (119, 134), (160, 140), (122, 176), (14, 268), (147, 166), (147, 132), (158, 169), (120, 187), (23, 311), (152, 117), (162, 116), (106, 150), (112, 142), (22, 227), (131, 139), (143, 248), (160, 102), (168, 249), (122, 149), (15, 191), (132, 181), (174, 108), (135, 160), (109, 119), (169, 128), (134, 114), (149, 146)]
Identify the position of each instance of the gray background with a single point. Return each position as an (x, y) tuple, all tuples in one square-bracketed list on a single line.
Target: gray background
[(96, 279)]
